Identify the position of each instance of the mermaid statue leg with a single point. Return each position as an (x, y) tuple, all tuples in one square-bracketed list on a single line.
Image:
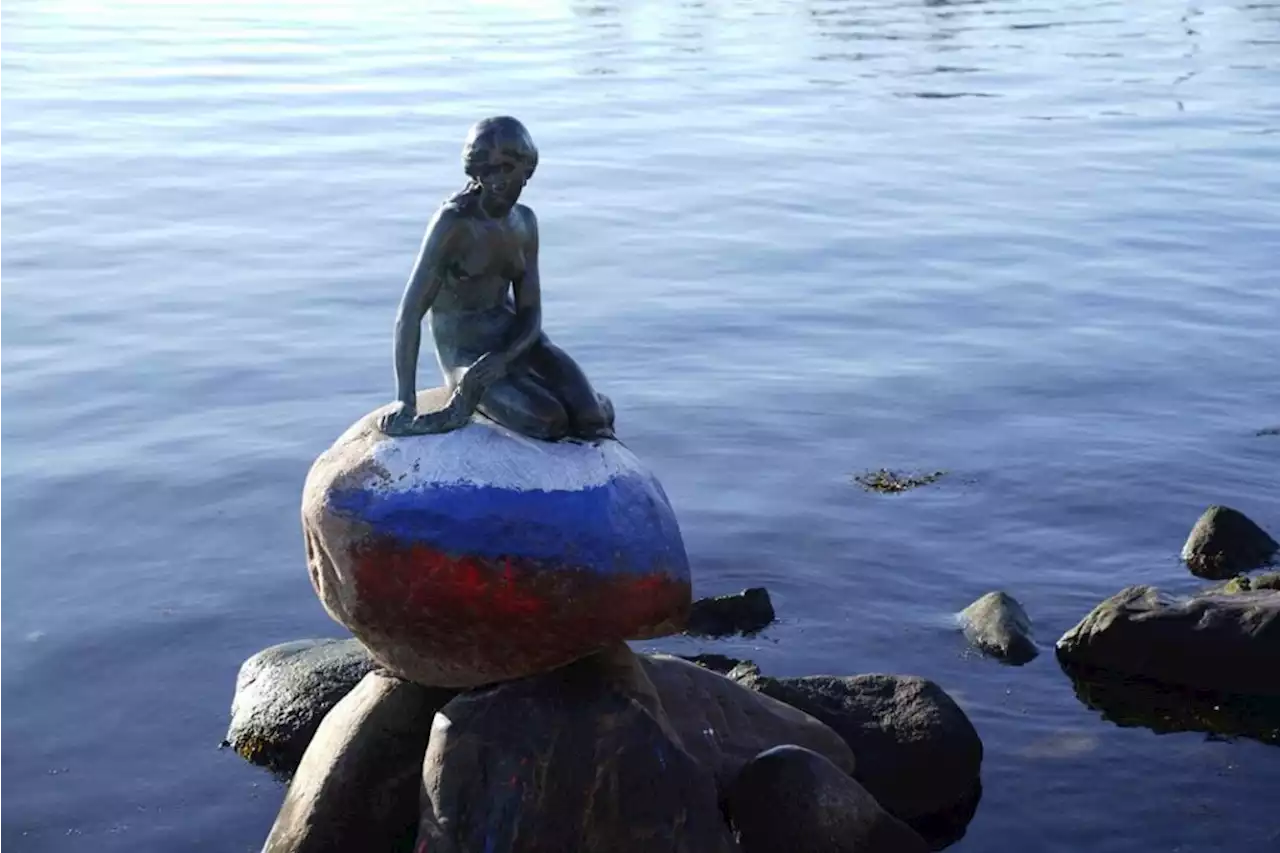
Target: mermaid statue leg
[(521, 404), (590, 414)]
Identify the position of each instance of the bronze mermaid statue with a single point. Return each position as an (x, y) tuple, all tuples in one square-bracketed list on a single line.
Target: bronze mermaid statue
[(476, 282)]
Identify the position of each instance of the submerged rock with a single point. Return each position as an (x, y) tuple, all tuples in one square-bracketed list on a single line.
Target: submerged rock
[(791, 799), (723, 724), (282, 694), (1225, 541), (916, 751), (579, 759), (746, 612), (1216, 641), (357, 786), (480, 555), (998, 626)]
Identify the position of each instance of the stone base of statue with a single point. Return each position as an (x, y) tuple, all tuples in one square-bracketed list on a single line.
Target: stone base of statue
[(480, 555)]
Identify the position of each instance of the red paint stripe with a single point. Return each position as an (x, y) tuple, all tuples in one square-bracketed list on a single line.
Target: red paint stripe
[(504, 614)]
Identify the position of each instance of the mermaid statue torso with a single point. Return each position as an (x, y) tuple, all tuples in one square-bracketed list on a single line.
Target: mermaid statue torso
[(476, 281)]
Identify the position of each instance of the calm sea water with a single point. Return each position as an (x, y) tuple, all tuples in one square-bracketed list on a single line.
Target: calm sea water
[(1034, 246)]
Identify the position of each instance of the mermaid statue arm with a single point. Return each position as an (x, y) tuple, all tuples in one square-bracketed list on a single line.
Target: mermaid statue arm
[(423, 286)]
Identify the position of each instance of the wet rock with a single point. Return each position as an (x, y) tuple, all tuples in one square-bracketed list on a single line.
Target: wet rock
[(743, 672), (722, 664), (1222, 642), (582, 758), (282, 694), (1129, 701), (998, 626), (357, 785), (915, 750), (1225, 541), (789, 799), (746, 612), (478, 555), (723, 724)]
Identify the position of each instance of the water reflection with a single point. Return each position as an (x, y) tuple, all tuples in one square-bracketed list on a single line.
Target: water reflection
[(594, 10), (1268, 12), (1164, 709), (622, 38), (606, 35), (894, 42), (929, 95), (946, 828), (797, 275), (880, 46)]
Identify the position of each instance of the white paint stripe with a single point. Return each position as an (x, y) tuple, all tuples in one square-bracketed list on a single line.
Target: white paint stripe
[(486, 454)]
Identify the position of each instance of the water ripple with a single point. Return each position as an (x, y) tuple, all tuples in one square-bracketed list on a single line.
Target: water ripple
[(1031, 244)]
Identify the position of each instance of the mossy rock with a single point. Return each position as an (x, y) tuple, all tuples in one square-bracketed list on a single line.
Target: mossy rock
[(282, 694), (1244, 583)]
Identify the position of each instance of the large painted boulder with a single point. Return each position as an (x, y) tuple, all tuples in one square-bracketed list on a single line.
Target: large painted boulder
[(480, 555)]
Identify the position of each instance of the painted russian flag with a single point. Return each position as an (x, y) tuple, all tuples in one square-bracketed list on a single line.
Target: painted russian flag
[(481, 555)]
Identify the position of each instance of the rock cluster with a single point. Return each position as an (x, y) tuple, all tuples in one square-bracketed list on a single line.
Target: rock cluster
[(1209, 661), (490, 701), (619, 752)]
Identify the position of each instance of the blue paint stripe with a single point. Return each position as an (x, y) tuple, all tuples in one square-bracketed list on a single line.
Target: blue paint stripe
[(625, 525)]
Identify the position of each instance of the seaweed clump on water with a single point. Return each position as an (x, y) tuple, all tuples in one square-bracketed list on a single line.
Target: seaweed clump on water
[(891, 482)]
